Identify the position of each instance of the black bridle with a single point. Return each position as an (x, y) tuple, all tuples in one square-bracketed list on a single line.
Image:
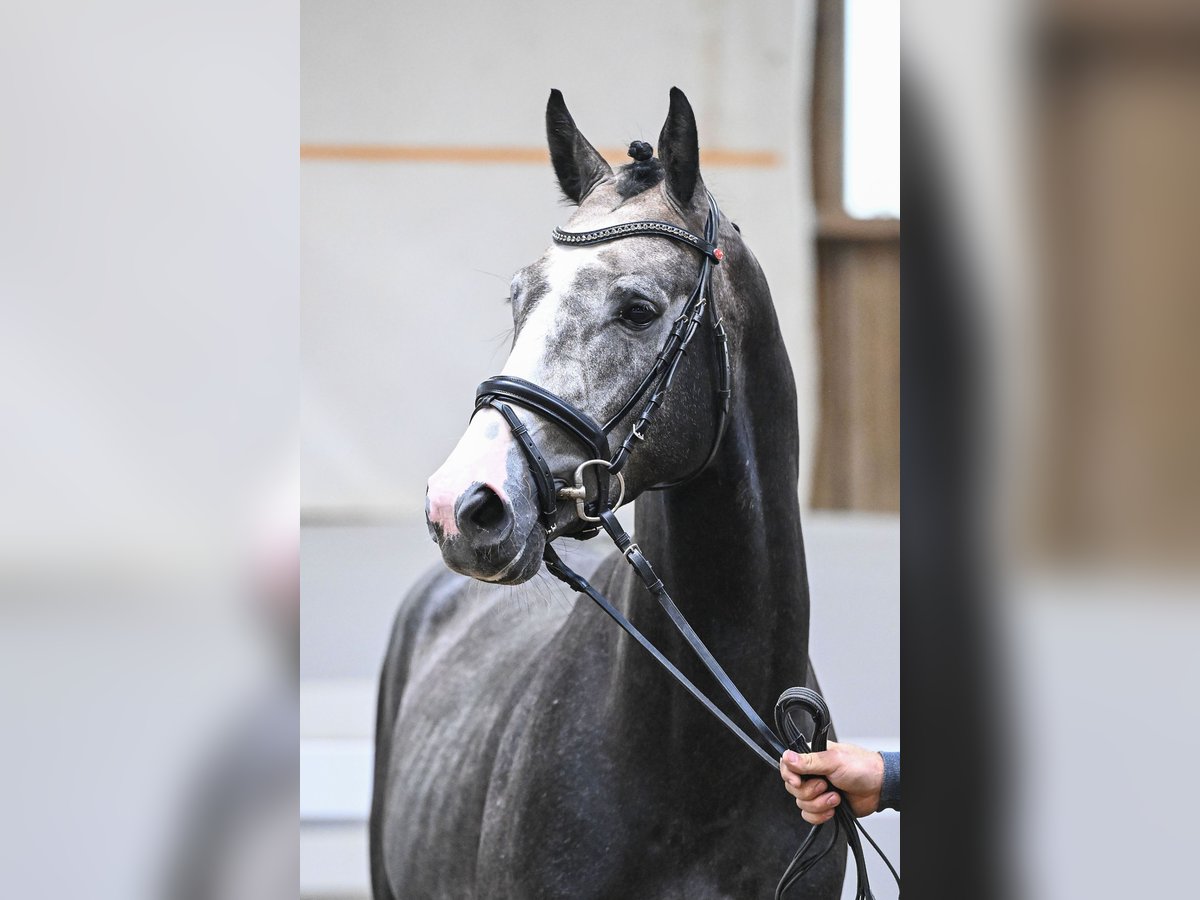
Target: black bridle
[(502, 392)]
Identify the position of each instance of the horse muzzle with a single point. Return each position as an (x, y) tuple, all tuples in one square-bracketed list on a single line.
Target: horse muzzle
[(479, 510)]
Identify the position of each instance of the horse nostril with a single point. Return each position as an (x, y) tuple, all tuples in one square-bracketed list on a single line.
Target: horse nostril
[(482, 511), (489, 513)]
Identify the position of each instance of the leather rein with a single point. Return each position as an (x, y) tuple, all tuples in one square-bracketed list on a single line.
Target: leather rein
[(502, 392)]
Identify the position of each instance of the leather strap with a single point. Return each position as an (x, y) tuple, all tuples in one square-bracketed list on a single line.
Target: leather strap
[(645, 227), (577, 582), (724, 393), (641, 565), (671, 356), (665, 355), (542, 477), (575, 421)]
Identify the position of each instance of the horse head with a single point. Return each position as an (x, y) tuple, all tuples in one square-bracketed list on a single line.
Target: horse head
[(591, 321)]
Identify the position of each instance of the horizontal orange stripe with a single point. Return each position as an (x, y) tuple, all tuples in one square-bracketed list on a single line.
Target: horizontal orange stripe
[(754, 159)]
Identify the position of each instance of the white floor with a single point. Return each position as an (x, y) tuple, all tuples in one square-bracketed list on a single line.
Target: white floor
[(353, 577)]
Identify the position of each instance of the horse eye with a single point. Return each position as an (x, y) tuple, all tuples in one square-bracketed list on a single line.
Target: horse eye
[(639, 314)]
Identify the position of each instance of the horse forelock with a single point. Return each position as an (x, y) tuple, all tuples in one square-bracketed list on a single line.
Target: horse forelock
[(637, 177)]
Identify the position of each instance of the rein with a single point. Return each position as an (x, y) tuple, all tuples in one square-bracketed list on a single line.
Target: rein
[(503, 391)]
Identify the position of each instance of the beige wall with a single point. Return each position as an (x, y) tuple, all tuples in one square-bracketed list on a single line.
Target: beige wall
[(406, 263)]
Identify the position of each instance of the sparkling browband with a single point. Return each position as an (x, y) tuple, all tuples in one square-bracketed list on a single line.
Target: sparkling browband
[(646, 227)]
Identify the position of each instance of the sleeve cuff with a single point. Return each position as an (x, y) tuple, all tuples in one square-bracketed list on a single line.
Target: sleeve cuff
[(889, 794)]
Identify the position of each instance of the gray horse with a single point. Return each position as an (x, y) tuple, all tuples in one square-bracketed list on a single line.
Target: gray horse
[(540, 753)]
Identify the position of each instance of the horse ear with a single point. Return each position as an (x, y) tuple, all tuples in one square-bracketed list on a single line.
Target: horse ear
[(577, 164), (679, 149)]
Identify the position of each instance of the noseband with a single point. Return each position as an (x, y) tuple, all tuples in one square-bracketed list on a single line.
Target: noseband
[(502, 392)]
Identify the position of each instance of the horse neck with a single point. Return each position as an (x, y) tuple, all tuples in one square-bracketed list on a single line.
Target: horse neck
[(728, 545)]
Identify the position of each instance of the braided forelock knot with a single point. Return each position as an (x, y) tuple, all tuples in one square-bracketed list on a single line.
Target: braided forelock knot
[(640, 151)]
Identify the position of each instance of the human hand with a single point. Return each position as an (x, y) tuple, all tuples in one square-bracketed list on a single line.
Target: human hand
[(856, 771)]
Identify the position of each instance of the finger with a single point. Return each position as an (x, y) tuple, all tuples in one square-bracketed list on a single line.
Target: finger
[(810, 789), (817, 818), (789, 776), (791, 781), (809, 763), (824, 803)]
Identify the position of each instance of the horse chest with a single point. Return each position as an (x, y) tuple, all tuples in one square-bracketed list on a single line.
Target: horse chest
[(518, 770)]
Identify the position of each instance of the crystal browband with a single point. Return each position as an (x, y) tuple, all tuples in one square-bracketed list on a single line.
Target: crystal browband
[(647, 227)]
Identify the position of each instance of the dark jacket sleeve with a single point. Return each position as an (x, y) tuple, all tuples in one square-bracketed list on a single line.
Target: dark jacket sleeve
[(889, 795)]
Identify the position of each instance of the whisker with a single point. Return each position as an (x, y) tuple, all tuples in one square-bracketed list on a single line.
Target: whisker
[(489, 274), (504, 335)]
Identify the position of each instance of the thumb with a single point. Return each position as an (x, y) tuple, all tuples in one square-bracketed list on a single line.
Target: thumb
[(809, 763)]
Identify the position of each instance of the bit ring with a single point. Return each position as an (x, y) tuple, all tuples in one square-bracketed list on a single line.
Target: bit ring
[(579, 492)]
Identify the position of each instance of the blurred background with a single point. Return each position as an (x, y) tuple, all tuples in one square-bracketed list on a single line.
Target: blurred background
[(426, 183), (1051, 525), (149, 602)]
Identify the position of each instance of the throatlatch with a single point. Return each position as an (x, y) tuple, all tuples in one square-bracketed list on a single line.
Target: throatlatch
[(502, 392)]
